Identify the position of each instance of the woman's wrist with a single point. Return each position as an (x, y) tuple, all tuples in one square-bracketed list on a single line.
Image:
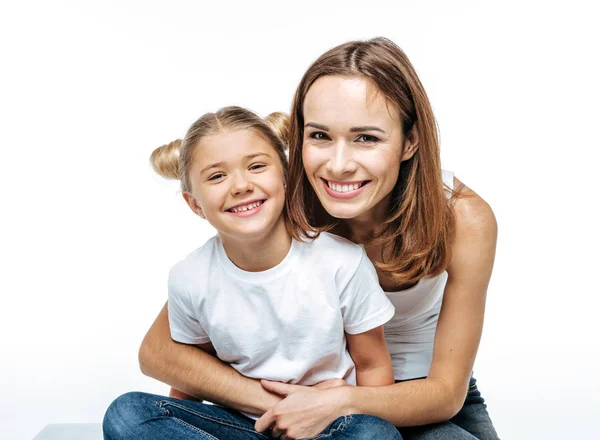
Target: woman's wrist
[(347, 400)]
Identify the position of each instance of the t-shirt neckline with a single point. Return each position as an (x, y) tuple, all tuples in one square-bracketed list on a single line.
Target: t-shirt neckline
[(274, 272)]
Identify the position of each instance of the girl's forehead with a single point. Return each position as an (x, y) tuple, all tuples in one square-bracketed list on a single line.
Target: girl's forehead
[(229, 146)]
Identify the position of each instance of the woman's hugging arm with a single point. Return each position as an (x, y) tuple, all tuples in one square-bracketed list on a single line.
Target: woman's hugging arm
[(441, 395), (196, 373)]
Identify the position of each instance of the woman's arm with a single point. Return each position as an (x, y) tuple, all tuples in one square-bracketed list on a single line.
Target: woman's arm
[(442, 393), (196, 373), (371, 358)]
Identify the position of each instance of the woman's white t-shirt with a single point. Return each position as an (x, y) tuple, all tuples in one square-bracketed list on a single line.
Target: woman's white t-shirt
[(286, 323)]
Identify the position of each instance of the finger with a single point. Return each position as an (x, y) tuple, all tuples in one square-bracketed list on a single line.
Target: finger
[(278, 433), (265, 421), (283, 389)]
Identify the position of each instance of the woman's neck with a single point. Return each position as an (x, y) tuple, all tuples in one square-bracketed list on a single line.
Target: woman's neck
[(259, 253), (363, 228)]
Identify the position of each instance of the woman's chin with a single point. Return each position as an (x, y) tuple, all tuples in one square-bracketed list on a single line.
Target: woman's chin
[(344, 212)]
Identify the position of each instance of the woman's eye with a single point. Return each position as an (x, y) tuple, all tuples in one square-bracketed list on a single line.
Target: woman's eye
[(256, 166), (319, 136), (216, 176), (367, 138)]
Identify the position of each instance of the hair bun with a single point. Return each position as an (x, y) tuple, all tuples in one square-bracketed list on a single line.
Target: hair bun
[(165, 160), (280, 124)]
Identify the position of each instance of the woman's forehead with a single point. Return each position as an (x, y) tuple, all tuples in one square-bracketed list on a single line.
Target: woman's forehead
[(347, 101)]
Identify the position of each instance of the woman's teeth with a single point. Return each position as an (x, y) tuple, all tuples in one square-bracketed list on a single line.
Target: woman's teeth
[(246, 207), (343, 188)]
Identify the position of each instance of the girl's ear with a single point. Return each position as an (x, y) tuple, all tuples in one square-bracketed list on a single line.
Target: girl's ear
[(193, 204), (411, 144)]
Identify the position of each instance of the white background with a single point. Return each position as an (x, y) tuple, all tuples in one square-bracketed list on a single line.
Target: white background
[(88, 232)]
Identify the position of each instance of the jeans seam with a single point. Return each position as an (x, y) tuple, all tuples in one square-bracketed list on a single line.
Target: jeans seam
[(183, 422), (347, 419), (164, 403)]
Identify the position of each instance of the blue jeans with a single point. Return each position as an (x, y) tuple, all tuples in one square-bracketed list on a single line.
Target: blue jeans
[(151, 417), (471, 423)]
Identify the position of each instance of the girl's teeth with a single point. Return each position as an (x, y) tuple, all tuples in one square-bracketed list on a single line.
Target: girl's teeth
[(247, 207)]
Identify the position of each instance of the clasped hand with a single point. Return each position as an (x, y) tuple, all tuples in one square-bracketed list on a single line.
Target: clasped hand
[(305, 411)]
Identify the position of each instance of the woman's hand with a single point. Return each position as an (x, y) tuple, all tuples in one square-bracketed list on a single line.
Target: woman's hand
[(305, 411)]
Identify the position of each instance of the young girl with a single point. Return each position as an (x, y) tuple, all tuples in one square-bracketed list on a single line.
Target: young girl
[(270, 305)]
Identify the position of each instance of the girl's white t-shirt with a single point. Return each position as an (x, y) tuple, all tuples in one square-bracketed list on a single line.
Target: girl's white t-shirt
[(286, 323)]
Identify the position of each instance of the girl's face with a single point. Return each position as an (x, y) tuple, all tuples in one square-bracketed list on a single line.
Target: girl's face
[(352, 147), (237, 184)]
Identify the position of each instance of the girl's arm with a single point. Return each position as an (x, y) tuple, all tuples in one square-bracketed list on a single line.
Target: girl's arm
[(196, 373), (371, 358), (442, 393)]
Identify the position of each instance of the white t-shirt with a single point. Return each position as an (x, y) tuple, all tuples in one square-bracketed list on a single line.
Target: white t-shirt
[(286, 323)]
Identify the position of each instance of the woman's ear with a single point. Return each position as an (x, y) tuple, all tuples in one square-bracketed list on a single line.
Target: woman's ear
[(411, 144), (193, 204)]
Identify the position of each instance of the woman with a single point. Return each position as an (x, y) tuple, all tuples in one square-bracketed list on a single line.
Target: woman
[(364, 162)]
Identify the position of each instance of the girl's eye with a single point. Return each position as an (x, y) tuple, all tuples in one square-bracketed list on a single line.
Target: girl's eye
[(256, 166), (216, 176), (319, 136), (367, 138)]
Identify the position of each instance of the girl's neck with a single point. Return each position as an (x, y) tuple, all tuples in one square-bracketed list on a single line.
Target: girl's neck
[(259, 253)]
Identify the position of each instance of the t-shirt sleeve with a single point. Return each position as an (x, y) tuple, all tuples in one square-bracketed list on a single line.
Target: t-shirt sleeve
[(364, 304), (184, 325)]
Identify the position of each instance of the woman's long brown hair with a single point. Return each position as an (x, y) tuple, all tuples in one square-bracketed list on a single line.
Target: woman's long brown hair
[(418, 231)]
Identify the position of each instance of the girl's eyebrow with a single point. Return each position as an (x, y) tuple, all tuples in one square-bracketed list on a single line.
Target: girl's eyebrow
[(220, 164), (352, 130)]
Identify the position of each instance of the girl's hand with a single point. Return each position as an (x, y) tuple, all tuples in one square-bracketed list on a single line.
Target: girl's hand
[(305, 411)]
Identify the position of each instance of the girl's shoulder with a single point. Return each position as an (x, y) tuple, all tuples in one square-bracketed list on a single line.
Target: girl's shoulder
[(331, 252), (196, 261), (329, 243)]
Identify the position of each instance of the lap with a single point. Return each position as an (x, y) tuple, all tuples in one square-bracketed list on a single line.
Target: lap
[(150, 416)]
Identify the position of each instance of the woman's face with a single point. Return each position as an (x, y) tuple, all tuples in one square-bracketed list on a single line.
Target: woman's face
[(352, 147)]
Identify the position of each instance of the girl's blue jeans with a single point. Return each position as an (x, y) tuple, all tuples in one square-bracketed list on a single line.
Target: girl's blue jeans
[(151, 417)]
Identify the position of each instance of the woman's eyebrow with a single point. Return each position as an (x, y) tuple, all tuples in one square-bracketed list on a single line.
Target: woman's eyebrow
[(317, 126), (352, 130), (366, 128)]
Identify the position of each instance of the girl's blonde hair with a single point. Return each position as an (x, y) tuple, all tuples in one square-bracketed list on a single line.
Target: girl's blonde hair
[(174, 160), (420, 223)]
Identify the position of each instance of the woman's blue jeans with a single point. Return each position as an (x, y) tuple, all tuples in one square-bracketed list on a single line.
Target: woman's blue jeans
[(151, 417)]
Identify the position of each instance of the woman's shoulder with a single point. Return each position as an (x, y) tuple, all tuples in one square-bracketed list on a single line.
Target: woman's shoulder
[(470, 209), (475, 221)]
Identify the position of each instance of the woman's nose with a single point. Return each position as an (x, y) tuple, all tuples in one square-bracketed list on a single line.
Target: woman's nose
[(341, 161)]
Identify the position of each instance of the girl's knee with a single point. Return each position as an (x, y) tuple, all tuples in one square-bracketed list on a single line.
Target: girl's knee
[(366, 427), (124, 414)]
